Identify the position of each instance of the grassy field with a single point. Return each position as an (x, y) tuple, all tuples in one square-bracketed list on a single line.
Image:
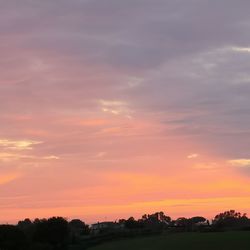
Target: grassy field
[(181, 241)]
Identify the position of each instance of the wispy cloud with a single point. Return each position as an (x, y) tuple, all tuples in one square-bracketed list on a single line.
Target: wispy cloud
[(116, 108), (240, 162), (8, 157), (242, 49), (18, 144), (192, 156), (206, 166)]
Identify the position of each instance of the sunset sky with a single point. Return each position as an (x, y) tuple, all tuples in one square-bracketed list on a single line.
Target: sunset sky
[(113, 108)]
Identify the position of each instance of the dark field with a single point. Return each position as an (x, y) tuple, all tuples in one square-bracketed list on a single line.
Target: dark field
[(181, 241)]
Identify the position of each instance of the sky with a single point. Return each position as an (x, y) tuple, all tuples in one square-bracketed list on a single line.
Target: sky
[(115, 108)]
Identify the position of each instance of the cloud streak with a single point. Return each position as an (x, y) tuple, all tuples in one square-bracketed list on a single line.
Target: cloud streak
[(18, 145), (240, 163)]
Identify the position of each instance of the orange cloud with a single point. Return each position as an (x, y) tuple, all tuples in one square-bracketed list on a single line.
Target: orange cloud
[(240, 162)]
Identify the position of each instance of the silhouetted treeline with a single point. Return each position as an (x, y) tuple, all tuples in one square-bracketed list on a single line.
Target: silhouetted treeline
[(57, 233), (231, 220)]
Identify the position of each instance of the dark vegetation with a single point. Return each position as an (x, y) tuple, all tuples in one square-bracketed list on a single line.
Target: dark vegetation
[(58, 234), (182, 241)]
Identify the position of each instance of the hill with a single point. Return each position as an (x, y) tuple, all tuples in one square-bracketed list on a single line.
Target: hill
[(181, 241)]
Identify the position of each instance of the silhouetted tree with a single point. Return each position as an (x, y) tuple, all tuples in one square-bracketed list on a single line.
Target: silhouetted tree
[(24, 223), (197, 223), (27, 227), (156, 221), (190, 224), (182, 224), (12, 238), (77, 229), (53, 231), (131, 223), (231, 219), (197, 220)]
